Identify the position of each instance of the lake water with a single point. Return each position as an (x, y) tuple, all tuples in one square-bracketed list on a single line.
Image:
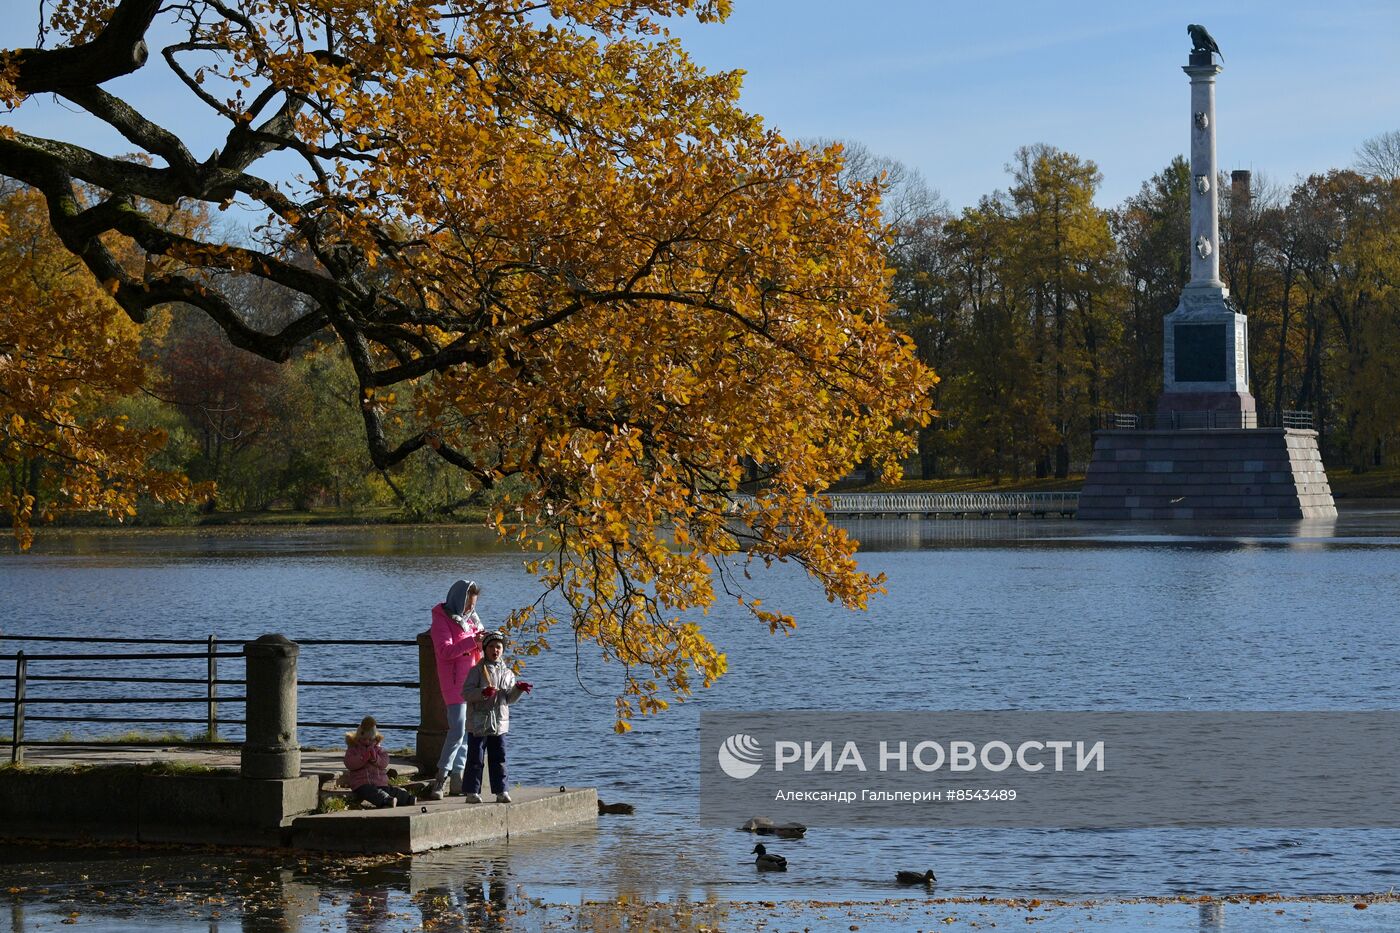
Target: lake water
[(980, 614)]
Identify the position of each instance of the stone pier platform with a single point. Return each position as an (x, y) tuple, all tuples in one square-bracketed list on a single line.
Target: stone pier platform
[(76, 793), (1206, 474), (451, 822)]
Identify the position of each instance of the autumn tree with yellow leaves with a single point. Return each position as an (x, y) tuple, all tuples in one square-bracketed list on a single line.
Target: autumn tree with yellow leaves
[(67, 352), (597, 274)]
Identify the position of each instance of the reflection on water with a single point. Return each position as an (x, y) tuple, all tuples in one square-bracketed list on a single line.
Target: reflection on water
[(169, 890), (110, 890), (981, 614), (895, 534)]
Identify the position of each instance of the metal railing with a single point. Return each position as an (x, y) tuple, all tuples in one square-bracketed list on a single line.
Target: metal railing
[(22, 700), (945, 503), (357, 642), (1202, 420)]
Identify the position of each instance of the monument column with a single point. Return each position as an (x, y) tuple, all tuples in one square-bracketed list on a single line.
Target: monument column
[(1205, 455), (1205, 205), (1205, 345)]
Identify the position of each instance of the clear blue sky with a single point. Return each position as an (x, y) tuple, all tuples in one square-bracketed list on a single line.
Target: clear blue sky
[(953, 88)]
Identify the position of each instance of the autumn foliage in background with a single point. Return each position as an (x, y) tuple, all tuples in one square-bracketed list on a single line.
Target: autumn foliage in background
[(1045, 310), (69, 358)]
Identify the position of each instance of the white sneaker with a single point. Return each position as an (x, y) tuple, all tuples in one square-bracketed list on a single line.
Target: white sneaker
[(503, 797), (472, 798), (454, 785), (434, 791)]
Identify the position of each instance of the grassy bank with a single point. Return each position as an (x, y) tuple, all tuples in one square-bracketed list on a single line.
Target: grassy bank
[(1380, 483), (977, 484), (158, 768), (137, 736), (277, 517), (329, 516)]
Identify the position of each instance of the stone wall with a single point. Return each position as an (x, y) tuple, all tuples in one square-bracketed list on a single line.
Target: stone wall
[(450, 823), (1208, 474), (128, 803)]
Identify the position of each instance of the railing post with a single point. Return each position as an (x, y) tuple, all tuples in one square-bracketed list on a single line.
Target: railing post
[(270, 748), (213, 718), (17, 723), (432, 712)]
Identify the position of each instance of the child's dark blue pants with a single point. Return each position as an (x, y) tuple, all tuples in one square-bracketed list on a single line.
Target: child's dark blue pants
[(494, 747)]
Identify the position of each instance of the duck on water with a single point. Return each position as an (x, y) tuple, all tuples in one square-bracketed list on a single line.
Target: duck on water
[(767, 861), (913, 877)]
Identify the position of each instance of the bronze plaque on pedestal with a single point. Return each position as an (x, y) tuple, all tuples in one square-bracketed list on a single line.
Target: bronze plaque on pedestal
[(1200, 352)]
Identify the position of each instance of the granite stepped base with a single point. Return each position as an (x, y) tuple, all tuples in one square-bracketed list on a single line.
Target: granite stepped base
[(1183, 474)]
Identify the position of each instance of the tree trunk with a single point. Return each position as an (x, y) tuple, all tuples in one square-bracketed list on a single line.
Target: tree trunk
[(1284, 317)]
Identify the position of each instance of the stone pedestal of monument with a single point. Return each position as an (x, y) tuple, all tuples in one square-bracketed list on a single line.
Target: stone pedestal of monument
[(1206, 453), (1205, 360), (1206, 474)]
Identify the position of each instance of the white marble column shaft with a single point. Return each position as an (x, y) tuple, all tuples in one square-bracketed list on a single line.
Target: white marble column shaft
[(1205, 200)]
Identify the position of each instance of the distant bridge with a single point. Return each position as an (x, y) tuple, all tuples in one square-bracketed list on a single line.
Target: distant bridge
[(957, 504)]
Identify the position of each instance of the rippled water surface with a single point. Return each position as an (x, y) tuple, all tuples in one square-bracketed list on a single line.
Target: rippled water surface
[(1039, 614)]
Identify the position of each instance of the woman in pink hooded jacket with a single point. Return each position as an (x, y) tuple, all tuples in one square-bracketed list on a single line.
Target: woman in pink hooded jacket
[(456, 634)]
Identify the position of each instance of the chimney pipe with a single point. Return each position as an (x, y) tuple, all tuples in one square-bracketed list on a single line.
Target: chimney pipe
[(1241, 197)]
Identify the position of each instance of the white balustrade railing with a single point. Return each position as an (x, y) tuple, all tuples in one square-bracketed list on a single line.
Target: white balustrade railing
[(930, 503)]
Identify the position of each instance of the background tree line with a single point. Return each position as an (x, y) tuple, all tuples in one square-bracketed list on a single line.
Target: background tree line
[(1043, 310), (173, 400)]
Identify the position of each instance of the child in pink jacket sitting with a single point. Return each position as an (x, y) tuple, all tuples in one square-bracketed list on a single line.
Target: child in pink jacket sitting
[(368, 764)]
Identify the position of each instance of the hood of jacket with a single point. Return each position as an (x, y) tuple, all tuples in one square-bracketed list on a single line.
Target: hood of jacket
[(456, 599)]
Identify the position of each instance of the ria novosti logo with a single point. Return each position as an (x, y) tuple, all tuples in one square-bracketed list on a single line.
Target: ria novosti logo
[(740, 756)]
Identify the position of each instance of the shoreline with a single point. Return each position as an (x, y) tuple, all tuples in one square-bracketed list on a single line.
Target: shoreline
[(1383, 504), (243, 527)]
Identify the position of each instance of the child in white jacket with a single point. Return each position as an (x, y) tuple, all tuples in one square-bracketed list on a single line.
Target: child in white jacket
[(489, 690)]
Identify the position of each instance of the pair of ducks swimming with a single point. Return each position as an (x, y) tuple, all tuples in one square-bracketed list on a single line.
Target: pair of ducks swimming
[(768, 861)]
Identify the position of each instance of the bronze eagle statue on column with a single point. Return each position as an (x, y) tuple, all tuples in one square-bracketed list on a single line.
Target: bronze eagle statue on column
[(1202, 41)]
